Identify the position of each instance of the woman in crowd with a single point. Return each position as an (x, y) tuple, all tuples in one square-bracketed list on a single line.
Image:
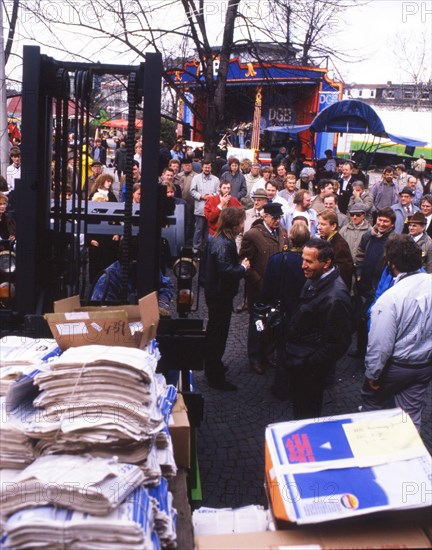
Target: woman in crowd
[(103, 186), (7, 223), (223, 275), (102, 249)]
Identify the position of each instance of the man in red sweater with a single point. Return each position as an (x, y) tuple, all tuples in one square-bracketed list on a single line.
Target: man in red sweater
[(216, 203)]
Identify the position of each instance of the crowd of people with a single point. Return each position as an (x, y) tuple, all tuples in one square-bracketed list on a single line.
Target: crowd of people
[(333, 254)]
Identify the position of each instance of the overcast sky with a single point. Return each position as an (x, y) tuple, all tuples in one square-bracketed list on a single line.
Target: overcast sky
[(374, 32)]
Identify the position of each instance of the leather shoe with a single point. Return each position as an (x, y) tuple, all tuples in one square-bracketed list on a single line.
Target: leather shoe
[(223, 385), (259, 369)]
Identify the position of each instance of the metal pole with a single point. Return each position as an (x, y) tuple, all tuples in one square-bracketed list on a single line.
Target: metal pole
[(4, 138), (149, 227)]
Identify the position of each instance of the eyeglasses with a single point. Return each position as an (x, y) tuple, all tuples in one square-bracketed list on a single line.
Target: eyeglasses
[(356, 214)]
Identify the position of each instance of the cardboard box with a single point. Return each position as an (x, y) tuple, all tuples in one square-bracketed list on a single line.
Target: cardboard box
[(320, 470), (179, 429), (74, 326), (335, 538)]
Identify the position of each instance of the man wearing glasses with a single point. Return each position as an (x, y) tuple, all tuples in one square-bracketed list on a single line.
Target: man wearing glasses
[(13, 171)]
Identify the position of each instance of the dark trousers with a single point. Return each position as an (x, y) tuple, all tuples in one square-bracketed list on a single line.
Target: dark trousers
[(259, 344), (219, 312), (306, 393), (399, 387)]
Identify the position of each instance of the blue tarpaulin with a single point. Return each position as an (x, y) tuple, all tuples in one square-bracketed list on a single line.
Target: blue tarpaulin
[(350, 116)]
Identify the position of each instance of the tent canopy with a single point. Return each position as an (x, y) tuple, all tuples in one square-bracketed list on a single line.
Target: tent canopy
[(350, 116)]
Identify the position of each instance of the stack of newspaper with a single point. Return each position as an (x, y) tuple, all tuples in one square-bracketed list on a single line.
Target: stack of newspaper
[(19, 356), (16, 450), (86, 484), (101, 400), (165, 515), (129, 526)]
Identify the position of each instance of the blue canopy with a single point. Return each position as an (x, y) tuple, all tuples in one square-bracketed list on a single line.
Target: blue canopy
[(350, 116)]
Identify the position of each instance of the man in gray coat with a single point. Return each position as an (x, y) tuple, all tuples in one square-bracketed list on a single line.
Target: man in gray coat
[(356, 227), (203, 186)]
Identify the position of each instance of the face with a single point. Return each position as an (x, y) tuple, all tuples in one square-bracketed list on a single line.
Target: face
[(426, 208), (259, 204), (2, 207), (16, 159), (225, 189), (107, 184), (281, 171), (388, 176), (234, 167), (255, 170), (138, 149), (357, 218), (383, 224), (168, 176), (273, 222), (237, 229), (97, 169), (290, 184), (415, 229), (346, 170), (266, 176), (412, 183), (325, 228), (135, 172), (136, 196), (327, 189), (187, 168), (170, 192), (306, 204), (175, 167), (358, 190), (271, 191), (405, 199), (312, 267), (206, 169), (330, 203)]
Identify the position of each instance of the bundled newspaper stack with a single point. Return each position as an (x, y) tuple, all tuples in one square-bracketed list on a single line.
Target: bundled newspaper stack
[(16, 450), (103, 401), (19, 356), (165, 515), (129, 526), (83, 483)]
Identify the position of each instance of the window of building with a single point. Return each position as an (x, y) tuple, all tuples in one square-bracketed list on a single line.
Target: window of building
[(372, 93), (360, 93)]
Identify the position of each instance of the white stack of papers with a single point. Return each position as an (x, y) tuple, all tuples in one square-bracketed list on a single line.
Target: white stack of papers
[(82, 483), (128, 527), (19, 356), (99, 400), (217, 521), (16, 450)]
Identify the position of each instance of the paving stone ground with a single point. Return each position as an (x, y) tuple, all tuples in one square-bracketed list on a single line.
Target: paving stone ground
[(231, 436)]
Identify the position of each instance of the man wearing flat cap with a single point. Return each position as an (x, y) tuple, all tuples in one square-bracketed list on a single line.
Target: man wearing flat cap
[(259, 201), (356, 228), (264, 239), (417, 231), (404, 209)]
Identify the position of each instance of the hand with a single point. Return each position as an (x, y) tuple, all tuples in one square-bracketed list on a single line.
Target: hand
[(116, 237), (94, 243), (356, 193), (225, 200), (205, 197), (246, 264), (373, 384)]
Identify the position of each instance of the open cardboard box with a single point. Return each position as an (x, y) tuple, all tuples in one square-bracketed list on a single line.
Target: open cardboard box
[(179, 429), (330, 537), (74, 326)]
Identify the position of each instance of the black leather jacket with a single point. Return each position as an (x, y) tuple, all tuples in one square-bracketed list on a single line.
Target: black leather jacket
[(319, 331), (223, 270)]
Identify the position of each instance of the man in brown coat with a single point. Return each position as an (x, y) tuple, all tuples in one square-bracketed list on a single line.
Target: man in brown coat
[(264, 239), (328, 230)]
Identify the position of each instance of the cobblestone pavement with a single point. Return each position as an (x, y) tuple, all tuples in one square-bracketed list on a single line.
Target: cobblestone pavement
[(231, 436)]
